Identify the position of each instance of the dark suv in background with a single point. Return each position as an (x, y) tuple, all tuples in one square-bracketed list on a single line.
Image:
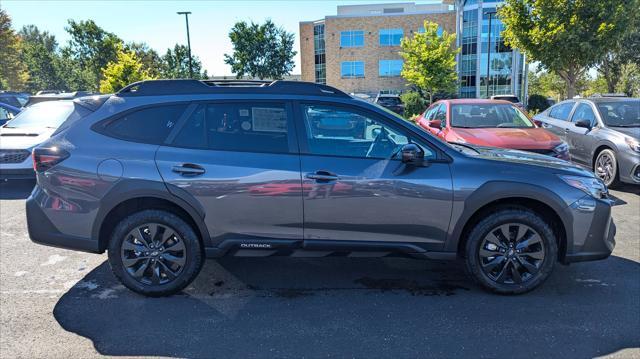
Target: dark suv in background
[(165, 173)]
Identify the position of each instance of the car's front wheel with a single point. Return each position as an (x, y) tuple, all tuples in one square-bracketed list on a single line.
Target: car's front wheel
[(606, 167), (155, 253), (511, 251)]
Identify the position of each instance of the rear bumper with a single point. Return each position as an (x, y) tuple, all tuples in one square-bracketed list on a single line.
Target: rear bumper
[(42, 231), (17, 174)]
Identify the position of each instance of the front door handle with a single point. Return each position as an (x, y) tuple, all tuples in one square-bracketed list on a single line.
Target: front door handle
[(322, 176), (188, 169)]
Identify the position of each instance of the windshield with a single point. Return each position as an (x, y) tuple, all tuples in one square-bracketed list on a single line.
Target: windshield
[(620, 113), (488, 115), (388, 101), (45, 114)]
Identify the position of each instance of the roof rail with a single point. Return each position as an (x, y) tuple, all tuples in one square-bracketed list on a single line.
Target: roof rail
[(193, 87)]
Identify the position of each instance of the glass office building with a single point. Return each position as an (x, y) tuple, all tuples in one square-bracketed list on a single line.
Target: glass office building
[(486, 66)]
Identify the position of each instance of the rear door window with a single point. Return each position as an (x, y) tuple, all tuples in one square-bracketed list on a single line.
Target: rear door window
[(259, 127), (561, 111), (147, 125)]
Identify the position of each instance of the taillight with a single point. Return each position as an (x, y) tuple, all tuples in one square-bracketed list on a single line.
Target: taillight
[(46, 157)]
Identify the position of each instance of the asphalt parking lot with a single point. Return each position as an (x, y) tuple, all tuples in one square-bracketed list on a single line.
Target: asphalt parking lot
[(57, 303)]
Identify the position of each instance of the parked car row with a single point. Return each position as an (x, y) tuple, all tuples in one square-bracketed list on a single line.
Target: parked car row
[(164, 173), (601, 134)]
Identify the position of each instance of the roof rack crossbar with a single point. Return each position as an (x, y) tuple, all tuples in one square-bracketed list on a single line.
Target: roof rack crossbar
[(186, 87)]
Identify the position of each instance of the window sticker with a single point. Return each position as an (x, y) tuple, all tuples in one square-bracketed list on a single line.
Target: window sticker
[(269, 119)]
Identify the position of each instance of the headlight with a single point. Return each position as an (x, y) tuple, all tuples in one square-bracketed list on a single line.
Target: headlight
[(561, 148), (591, 186), (633, 143)]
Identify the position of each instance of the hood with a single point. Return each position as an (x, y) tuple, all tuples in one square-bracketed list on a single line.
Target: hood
[(24, 137), (629, 131), (529, 158), (514, 138)]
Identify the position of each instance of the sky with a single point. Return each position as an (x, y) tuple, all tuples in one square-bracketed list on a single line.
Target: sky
[(157, 24)]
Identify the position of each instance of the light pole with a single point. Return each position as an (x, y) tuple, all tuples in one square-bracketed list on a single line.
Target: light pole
[(490, 13), (186, 17)]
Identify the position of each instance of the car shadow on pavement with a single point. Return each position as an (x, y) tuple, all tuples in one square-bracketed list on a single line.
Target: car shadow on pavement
[(16, 189), (282, 307)]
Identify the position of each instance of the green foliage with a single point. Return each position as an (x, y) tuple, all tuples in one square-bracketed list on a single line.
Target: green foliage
[(13, 72), (566, 37), (537, 103), (91, 48), (40, 56), (260, 50), (414, 103), (175, 64), (629, 81), (626, 51), (151, 61), (125, 69), (430, 60)]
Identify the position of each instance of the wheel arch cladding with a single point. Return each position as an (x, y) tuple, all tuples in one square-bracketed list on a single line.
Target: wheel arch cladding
[(132, 196), (542, 201)]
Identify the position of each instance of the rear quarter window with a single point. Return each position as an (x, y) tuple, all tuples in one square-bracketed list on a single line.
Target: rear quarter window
[(148, 125)]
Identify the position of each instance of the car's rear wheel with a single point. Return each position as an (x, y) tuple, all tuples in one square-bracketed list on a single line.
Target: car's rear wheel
[(511, 251), (155, 253), (606, 167)]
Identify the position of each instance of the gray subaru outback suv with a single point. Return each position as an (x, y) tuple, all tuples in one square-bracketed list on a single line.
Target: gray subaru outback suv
[(165, 173)]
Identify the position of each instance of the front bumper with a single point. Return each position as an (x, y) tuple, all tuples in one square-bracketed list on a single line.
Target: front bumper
[(629, 166), (593, 234), (42, 231)]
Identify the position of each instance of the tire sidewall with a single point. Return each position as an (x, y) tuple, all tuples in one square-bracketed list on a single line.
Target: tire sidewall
[(500, 217), (193, 252)]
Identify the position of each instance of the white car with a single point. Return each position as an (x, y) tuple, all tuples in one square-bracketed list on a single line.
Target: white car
[(29, 128)]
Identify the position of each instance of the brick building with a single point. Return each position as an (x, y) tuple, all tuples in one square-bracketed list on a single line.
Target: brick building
[(357, 49)]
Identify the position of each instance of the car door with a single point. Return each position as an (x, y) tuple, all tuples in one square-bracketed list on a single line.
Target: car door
[(240, 161), (356, 189), (557, 119), (582, 140)]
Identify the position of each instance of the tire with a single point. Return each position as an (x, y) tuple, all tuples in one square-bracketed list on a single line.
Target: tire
[(134, 256), (533, 257), (609, 175)]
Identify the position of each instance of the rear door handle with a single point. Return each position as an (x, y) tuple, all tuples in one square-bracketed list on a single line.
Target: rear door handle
[(188, 169), (322, 176)]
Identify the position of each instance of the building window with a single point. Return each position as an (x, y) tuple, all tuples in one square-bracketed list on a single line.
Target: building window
[(352, 69), (320, 57), (352, 38), (390, 37), (321, 73), (389, 68)]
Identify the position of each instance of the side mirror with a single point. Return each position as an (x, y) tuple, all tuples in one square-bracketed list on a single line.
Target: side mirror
[(411, 153), (435, 123), (584, 124)]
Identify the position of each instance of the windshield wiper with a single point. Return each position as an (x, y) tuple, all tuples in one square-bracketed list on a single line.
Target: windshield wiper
[(631, 125), (463, 145)]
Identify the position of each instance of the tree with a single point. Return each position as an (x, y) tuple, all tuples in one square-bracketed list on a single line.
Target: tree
[(626, 51), (430, 60), (629, 82), (90, 48), (566, 37), (414, 103), (40, 55), (126, 69), (151, 61), (262, 51), (175, 64), (13, 72)]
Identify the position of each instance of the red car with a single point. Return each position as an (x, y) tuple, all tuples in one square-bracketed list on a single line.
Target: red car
[(491, 123)]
